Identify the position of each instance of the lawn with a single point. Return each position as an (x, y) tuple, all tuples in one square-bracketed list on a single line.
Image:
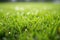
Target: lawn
[(29, 21)]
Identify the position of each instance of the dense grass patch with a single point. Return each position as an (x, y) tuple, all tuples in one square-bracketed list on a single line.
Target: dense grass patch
[(29, 21)]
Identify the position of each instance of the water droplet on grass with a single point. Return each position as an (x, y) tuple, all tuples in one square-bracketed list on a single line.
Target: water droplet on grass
[(38, 17), (25, 29), (9, 32), (16, 8), (28, 13)]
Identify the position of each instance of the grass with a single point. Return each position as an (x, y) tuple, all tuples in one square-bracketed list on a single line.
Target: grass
[(29, 21)]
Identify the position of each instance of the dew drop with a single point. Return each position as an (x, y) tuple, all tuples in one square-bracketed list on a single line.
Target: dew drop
[(25, 29), (28, 13), (9, 32), (16, 8)]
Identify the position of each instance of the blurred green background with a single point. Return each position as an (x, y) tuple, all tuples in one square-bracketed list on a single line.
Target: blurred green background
[(29, 19)]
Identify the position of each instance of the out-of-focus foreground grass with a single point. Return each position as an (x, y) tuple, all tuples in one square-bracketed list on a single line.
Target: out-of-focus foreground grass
[(29, 21)]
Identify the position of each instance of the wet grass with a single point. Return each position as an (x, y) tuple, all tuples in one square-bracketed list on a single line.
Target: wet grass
[(29, 21)]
